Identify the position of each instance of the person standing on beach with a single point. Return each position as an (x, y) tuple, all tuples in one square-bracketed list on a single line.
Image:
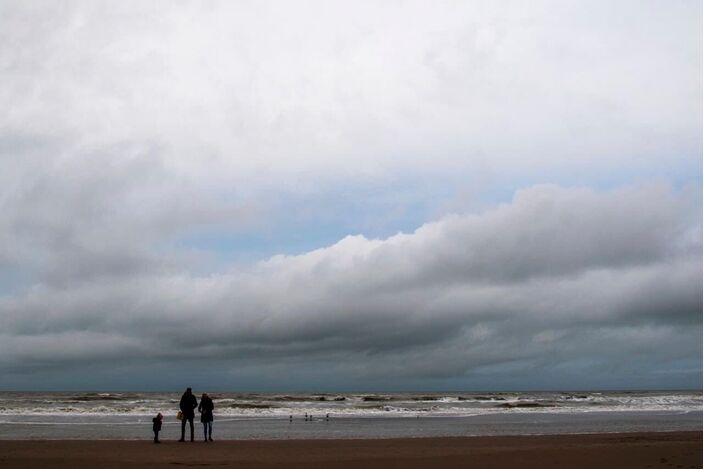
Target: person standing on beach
[(206, 416), (156, 426), (187, 405)]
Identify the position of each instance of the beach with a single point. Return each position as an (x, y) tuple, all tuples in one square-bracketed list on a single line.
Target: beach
[(615, 450), (350, 430)]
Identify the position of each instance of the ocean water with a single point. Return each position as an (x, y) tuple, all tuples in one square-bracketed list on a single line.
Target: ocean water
[(58, 415)]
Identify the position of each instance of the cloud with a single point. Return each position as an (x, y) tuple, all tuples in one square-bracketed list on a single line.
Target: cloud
[(67, 219), (557, 276), (151, 155), (255, 91)]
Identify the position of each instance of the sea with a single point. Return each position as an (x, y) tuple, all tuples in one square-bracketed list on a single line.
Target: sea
[(128, 415)]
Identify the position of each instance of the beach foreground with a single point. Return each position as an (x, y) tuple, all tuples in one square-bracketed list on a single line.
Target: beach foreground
[(624, 450)]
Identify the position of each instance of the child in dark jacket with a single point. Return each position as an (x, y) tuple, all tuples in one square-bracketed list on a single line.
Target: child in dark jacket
[(157, 427)]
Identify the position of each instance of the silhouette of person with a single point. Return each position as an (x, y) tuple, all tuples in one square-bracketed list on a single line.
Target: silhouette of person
[(206, 416), (187, 404), (156, 427)]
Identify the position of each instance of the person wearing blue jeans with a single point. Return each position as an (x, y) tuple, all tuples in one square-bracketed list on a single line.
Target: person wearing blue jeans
[(206, 408)]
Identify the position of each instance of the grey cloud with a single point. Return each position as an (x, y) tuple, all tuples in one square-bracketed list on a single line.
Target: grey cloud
[(106, 212), (612, 278), (560, 232)]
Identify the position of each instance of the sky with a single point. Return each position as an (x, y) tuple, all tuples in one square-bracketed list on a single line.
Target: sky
[(320, 196)]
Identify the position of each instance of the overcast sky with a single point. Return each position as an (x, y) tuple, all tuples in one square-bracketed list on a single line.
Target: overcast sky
[(350, 195)]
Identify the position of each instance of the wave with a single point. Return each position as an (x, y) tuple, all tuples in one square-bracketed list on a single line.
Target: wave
[(89, 397), (245, 405), (524, 405), (350, 404)]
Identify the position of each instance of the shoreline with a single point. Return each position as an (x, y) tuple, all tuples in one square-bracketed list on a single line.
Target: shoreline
[(528, 423), (600, 450)]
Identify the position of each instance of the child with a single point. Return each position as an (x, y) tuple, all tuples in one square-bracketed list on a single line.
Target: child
[(157, 427)]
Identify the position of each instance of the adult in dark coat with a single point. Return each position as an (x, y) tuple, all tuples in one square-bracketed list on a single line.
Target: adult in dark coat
[(187, 404), (206, 416)]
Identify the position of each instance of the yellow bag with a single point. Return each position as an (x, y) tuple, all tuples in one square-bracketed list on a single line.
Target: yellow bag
[(179, 415)]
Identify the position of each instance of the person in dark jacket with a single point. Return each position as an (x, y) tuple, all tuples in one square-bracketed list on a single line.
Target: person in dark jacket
[(206, 416), (187, 404), (157, 426)]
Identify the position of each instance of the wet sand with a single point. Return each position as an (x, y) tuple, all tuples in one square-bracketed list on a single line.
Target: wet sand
[(623, 451)]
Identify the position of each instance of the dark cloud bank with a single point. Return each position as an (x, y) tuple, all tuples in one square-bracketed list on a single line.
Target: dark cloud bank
[(560, 288)]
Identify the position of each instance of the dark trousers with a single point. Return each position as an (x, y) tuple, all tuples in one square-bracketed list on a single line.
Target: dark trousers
[(208, 430), (156, 436), (183, 426)]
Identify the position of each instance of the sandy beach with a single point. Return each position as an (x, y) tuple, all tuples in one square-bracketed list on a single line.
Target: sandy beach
[(623, 451)]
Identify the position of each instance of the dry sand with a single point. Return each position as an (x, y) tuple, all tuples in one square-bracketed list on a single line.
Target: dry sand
[(602, 451)]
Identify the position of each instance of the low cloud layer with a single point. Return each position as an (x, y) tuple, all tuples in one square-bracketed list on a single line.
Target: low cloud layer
[(557, 282)]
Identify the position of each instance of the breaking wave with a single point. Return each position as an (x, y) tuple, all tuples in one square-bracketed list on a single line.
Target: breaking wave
[(350, 404)]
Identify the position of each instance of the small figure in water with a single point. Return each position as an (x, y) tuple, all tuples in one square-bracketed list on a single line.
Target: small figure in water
[(157, 426), (206, 408)]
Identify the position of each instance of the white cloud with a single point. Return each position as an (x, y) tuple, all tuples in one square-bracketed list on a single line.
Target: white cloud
[(236, 90)]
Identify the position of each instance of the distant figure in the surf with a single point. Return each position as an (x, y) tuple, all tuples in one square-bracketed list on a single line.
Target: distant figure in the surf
[(187, 405), (156, 426), (206, 408)]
